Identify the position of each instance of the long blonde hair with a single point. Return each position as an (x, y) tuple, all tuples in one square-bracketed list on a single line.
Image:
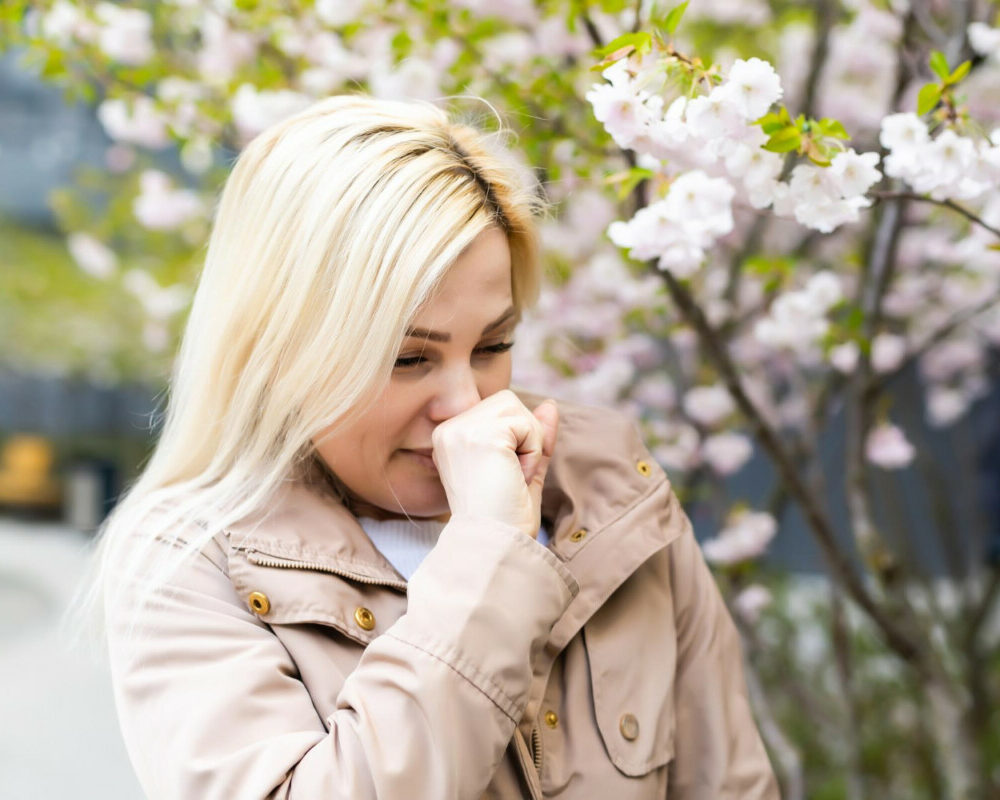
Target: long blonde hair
[(332, 229)]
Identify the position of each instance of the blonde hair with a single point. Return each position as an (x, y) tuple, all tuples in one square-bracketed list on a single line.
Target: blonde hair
[(332, 229)]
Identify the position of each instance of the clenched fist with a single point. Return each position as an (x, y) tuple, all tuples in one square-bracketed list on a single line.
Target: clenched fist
[(492, 459)]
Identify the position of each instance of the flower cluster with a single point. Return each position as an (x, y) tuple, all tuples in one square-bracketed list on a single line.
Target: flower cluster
[(717, 144), (797, 318), (947, 167)]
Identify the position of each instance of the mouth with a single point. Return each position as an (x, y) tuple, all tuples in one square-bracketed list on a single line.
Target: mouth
[(421, 456)]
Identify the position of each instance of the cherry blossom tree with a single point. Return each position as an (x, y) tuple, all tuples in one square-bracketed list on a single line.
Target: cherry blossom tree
[(771, 221)]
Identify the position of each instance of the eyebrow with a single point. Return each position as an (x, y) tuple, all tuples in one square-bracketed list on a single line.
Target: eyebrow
[(441, 336)]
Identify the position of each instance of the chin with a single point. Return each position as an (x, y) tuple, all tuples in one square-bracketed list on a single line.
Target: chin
[(431, 502)]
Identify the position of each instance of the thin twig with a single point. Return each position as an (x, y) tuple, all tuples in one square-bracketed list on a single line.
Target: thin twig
[(949, 204), (878, 383)]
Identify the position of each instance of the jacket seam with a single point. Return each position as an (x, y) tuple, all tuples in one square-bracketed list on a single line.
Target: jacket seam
[(459, 664)]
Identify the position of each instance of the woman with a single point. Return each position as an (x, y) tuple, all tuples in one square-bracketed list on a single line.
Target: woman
[(357, 564)]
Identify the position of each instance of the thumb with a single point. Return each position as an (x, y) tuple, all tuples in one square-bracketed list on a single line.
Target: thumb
[(547, 413)]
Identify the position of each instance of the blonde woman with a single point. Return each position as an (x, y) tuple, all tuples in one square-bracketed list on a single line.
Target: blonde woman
[(357, 564)]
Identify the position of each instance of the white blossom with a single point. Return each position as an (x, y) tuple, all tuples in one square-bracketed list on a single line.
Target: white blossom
[(160, 303), (903, 131), (159, 206), (887, 447), (888, 352), (945, 405), (984, 39), (844, 357), (745, 537), (91, 255), (726, 452), (255, 109), (855, 173), (752, 86), (751, 601), (338, 13), (708, 405), (125, 34), (714, 116), (141, 124)]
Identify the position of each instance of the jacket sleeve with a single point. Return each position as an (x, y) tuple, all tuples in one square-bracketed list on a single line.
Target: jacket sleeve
[(211, 705), (718, 750)]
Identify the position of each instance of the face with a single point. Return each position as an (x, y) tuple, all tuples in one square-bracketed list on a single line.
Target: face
[(455, 353)]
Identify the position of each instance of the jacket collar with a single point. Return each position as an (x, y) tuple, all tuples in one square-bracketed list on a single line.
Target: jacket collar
[(599, 472)]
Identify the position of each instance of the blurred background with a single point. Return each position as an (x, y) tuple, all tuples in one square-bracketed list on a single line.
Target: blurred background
[(105, 208)]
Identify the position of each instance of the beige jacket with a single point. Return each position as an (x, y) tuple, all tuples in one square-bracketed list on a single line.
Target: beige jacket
[(290, 660)]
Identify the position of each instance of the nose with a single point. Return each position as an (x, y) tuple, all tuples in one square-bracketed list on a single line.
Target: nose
[(458, 390)]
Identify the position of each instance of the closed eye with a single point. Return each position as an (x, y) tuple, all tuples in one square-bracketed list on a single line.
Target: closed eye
[(494, 349), (404, 362)]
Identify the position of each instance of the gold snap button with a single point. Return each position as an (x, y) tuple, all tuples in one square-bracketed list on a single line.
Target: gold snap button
[(364, 618), (644, 469), (259, 603), (629, 726), (577, 535), (551, 719)]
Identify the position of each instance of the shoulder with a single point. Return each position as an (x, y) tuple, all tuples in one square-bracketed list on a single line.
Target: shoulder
[(595, 428), (597, 436)]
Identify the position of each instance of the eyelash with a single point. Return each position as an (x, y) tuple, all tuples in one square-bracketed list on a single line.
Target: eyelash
[(491, 350)]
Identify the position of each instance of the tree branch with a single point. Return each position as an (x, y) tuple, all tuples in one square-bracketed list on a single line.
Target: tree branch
[(899, 640)]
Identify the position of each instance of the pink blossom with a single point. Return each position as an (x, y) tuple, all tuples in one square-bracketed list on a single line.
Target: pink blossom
[(887, 447)]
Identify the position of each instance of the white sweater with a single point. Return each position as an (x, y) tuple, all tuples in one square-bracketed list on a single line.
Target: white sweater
[(405, 542)]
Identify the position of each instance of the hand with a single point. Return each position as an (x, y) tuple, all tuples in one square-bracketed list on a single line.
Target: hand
[(493, 457)]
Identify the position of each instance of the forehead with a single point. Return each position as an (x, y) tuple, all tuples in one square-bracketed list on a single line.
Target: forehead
[(477, 286)]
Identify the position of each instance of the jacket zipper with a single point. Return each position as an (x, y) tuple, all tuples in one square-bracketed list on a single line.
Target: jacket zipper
[(264, 561), (536, 749)]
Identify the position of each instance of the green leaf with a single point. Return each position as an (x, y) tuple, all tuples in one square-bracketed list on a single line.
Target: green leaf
[(771, 123), (939, 64), (641, 41), (784, 141), (928, 98), (673, 19), (629, 179), (832, 127), (960, 72)]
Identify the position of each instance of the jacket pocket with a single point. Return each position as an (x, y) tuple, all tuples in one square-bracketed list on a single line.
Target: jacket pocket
[(631, 647), (285, 590)]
